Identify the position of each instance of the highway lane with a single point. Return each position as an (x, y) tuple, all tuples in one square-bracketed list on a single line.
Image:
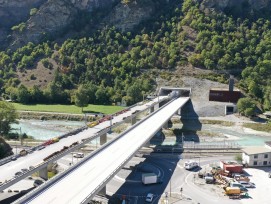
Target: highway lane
[(9, 169), (79, 183)]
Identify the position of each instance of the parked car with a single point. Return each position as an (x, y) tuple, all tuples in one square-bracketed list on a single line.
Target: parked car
[(78, 155), (31, 167), (236, 184), (37, 183), (247, 184), (19, 173), (13, 158), (269, 174), (40, 147), (149, 197), (24, 170)]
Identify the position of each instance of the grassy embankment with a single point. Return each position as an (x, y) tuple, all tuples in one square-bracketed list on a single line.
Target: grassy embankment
[(258, 126), (69, 109)]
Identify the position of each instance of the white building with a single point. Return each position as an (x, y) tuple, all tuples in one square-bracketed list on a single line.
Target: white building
[(257, 156)]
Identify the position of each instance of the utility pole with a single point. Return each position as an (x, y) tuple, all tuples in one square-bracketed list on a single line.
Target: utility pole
[(170, 182)]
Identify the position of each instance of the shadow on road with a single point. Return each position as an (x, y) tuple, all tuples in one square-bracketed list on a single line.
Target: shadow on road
[(134, 191)]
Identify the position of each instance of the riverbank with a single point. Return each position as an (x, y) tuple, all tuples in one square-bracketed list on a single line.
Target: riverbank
[(29, 115), (45, 129)]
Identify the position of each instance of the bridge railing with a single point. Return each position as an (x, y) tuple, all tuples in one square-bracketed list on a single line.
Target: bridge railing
[(34, 193), (86, 200), (13, 180)]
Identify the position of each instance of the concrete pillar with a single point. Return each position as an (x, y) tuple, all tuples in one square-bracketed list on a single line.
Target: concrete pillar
[(162, 103), (102, 191), (43, 173), (151, 109), (133, 119), (156, 106), (103, 139), (179, 111), (165, 125)]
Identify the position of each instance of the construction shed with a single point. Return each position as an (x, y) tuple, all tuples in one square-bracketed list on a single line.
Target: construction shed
[(224, 95), (231, 166)]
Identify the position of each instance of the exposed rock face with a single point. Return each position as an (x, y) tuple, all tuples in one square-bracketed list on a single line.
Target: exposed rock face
[(91, 4), (15, 11), (53, 16), (223, 4), (126, 17), (52, 19)]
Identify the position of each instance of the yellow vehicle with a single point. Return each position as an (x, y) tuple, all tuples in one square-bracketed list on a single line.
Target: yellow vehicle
[(232, 191), (92, 124), (56, 139)]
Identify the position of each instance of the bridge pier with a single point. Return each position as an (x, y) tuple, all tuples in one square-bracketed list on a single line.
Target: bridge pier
[(165, 126), (103, 139), (162, 103), (151, 109), (102, 192), (133, 119), (179, 112), (43, 173)]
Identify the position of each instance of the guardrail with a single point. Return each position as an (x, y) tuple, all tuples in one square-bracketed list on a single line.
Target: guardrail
[(57, 177), (86, 200), (61, 153), (50, 160), (73, 132)]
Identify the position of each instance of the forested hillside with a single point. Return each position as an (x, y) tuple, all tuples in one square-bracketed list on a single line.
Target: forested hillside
[(110, 65)]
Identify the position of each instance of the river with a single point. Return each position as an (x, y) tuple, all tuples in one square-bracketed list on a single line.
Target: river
[(45, 129)]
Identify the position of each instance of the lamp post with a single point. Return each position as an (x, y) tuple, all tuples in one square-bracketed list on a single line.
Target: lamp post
[(170, 183)]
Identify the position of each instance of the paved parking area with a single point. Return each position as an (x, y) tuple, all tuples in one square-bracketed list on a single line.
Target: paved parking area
[(262, 193)]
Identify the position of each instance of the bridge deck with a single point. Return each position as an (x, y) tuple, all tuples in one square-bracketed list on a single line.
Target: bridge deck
[(88, 177)]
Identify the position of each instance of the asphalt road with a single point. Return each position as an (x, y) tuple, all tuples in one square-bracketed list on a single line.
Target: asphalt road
[(174, 178)]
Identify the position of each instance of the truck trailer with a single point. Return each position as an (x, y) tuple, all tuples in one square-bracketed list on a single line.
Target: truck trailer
[(149, 178)]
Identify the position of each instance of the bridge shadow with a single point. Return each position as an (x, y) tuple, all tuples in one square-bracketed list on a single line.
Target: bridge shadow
[(190, 118), (158, 138), (14, 197), (133, 190)]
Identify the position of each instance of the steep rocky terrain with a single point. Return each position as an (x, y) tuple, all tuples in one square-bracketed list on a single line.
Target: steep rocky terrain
[(238, 8), (53, 18)]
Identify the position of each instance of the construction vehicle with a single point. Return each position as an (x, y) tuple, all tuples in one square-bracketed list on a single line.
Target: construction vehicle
[(233, 192)]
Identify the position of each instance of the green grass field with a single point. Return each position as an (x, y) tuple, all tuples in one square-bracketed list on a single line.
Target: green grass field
[(68, 108)]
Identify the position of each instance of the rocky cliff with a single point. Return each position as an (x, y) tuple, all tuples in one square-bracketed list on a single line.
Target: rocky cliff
[(242, 5), (126, 17), (53, 19), (15, 11), (56, 17)]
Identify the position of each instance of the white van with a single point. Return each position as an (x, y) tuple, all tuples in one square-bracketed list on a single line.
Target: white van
[(190, 165), (78, 155)]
